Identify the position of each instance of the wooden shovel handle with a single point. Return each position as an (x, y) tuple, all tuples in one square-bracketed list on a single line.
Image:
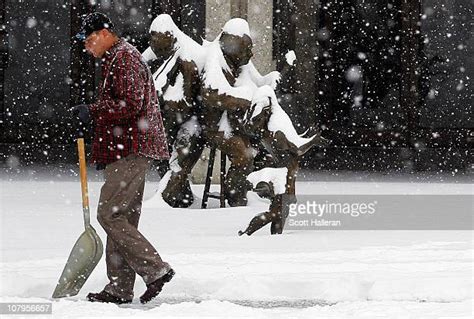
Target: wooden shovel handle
[(83, 172)]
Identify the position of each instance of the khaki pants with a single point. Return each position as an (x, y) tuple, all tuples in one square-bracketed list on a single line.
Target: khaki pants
[(127, 251)]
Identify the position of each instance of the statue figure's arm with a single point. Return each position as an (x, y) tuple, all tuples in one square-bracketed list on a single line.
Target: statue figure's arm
[(224, 101), (191, 80), (272, 79), (219, 93), (181, 91)]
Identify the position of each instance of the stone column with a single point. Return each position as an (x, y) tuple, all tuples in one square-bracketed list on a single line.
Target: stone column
[(260, 18), (239, 9), (258, 13), (217, 14), (306, 49)]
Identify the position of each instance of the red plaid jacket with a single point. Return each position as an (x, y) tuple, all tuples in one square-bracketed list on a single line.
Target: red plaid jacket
[(126, 114)]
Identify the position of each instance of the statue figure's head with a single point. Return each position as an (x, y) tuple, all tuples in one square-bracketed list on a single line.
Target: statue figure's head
[(163, 36), (162, 44), (236, 43)]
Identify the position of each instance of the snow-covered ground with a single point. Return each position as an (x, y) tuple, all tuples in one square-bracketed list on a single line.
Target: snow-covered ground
[(310, 274)]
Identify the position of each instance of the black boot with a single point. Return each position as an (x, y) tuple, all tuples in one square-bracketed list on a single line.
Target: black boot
[(154, 288), (104, 296), (178, 193)]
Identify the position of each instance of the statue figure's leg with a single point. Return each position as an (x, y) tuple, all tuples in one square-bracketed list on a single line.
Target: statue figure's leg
[(177, 192), (171, 128), (256, 223), (264, 218), (279, 221), (292, 166), (241, 155)]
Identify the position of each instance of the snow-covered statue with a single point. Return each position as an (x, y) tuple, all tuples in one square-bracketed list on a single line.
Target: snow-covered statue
[(242, 115), (229, 80), (271, 125), (176, 61)]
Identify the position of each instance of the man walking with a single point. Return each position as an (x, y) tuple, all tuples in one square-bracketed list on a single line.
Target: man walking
[(128, 135)]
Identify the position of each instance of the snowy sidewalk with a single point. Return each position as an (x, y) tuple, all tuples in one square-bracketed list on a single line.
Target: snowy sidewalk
[(299, 274)]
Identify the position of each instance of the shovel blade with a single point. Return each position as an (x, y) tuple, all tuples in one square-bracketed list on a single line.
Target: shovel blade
[(84, 257)]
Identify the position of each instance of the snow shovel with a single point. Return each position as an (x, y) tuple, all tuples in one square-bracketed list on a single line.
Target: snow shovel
[(87, 250)]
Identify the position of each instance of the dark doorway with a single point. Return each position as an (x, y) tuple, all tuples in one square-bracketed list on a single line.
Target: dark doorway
[(36, 77), (360, 63), (392, 81), (447, 57)]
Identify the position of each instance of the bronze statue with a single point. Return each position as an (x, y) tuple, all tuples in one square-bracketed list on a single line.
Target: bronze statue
[(229, 80), (176, 61), (240, 115), (270, 124)]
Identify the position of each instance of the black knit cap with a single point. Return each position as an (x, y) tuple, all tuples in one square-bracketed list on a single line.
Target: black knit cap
[(94, 22)]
